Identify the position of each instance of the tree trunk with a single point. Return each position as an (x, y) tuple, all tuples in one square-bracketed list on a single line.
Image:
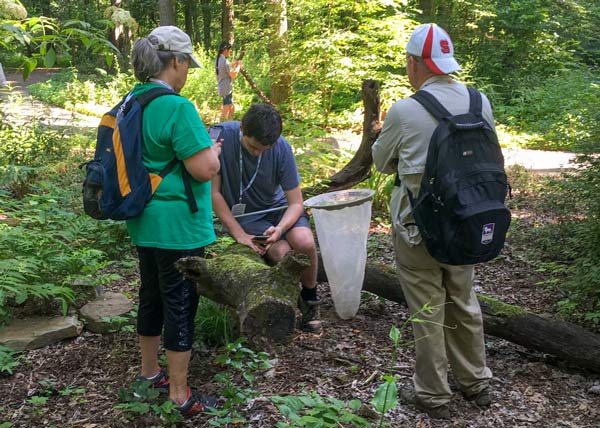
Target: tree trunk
[(566, 341), (206, 21), (263, 298), (281, 79), (359, 167), (166, 9), (189, 12), (227, 21)]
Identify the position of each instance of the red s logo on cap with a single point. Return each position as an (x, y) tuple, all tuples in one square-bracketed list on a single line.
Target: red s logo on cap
[(444, 46)]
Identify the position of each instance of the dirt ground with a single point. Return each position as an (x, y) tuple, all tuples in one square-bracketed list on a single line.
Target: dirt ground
[(81, 378), (345, 361)]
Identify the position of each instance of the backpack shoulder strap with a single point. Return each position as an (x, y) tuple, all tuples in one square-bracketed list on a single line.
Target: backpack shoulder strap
[(475, 103), (145, 98), (431, 104)]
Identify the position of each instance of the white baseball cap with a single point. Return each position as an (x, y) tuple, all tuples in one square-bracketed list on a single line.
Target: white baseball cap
[(434, 45), (172, 39)]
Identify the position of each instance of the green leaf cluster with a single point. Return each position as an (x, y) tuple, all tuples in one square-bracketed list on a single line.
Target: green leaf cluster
[(310, 410), (568, 248)]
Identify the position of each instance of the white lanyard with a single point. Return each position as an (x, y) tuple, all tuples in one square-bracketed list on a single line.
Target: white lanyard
[(241, 167), (161, 82)]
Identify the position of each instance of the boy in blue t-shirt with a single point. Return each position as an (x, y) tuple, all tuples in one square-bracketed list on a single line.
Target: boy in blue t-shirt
[(259, 173)]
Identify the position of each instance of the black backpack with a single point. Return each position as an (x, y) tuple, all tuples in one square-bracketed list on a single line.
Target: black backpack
[(460, 208)]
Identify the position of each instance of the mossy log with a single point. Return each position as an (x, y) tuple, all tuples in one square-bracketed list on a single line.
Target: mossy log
[(263, 298), (568, 342)]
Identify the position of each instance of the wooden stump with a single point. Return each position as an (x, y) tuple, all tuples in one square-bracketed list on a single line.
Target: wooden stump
[(263, 298)]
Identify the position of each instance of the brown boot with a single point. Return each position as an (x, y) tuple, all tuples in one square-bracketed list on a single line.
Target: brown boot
[(408, 396), (481, 398)]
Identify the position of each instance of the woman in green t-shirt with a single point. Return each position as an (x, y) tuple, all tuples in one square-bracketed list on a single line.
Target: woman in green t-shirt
[(168, 229)]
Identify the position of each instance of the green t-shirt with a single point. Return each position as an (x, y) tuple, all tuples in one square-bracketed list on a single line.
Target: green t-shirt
[(172, 128)]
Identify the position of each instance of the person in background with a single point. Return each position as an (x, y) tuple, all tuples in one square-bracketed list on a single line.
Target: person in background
[(168, 229), (259, 175), (453, 331), (226, 74), (3, 82)]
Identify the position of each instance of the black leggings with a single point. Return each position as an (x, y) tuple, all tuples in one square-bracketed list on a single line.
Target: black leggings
[(167, 299)]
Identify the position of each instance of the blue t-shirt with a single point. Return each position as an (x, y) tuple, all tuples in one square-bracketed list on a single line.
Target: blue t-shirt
[(277, 173)]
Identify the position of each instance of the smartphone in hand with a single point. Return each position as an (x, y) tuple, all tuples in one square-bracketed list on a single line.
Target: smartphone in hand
[(214, 134), (260, 238)]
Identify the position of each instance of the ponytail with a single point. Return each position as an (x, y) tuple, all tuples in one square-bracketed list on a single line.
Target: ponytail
[(222, 47)]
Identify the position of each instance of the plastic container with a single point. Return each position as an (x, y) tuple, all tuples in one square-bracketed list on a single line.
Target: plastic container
[(342, 221)]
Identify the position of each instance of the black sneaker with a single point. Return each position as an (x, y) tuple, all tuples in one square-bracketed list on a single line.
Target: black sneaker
[(196, 403), (160, 382), (311, 315)]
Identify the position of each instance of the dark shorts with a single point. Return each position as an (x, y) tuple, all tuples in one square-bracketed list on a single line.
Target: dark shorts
[(167, 300), (228, 99), (257, 227)]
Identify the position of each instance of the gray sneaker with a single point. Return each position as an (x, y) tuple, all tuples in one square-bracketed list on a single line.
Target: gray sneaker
[(311, 315)]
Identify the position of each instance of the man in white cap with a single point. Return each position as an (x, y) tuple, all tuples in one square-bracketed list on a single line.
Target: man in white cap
[(453, 330)]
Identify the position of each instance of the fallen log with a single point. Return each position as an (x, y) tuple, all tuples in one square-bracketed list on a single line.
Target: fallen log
[(264, 299), (568, 342)]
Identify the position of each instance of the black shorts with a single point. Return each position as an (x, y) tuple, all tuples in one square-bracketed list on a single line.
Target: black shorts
[(167, 300)]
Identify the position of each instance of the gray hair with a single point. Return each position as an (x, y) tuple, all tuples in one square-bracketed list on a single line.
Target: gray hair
[(148, 61)]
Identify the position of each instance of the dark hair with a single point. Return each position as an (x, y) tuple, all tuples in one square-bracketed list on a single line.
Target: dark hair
[(222, 47), (263, 123)]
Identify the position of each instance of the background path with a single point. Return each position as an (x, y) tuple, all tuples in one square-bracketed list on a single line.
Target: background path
[(20, 106)]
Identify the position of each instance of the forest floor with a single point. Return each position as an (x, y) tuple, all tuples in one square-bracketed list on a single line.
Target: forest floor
[(81, 378)]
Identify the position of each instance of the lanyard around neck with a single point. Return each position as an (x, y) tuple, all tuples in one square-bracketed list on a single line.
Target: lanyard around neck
[(241, 168), (161, 82)]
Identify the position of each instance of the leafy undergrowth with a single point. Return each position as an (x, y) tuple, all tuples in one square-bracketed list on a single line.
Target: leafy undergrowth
[(333, 370)]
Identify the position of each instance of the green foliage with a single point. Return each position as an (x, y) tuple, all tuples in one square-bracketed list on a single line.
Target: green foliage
[(214, 324), (569, 247), (240, 363), (382, 184), (561, 112), (386, 395), (332, 48), (31, 144), (12, 9), (91, 93), (52, 252), (8, 360), (47, 41), (315, 157), (143, 399), (310, 410)]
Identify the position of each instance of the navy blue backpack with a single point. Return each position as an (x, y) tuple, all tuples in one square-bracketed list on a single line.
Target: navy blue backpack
[(117, 185)]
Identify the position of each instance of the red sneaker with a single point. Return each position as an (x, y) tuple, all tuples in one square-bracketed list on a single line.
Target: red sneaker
[(160, 381), (196, 403)]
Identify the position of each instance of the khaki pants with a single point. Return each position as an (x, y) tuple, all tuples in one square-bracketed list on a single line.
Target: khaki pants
[(455, 333)]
